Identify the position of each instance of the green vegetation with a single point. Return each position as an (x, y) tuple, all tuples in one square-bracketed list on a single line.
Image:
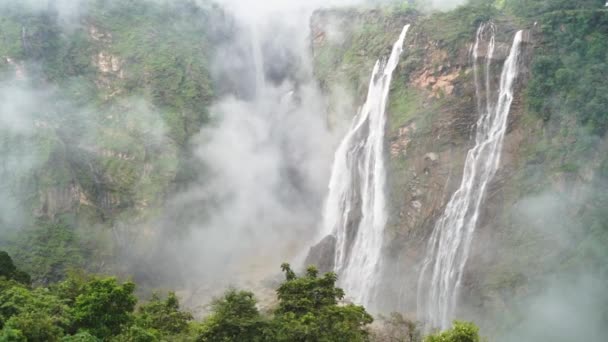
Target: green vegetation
[(308, 310), (569, 72), (86, 308), (454, 29), (48, 251), (165, 54), (531, 8), (9, 271), (113, 99), (460, 332)]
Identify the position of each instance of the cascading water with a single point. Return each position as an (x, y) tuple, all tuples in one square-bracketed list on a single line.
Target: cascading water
[(355, 212), (448, 247)]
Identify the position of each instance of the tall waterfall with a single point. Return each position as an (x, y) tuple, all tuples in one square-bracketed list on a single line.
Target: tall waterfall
[(355, 212), (449, 245)]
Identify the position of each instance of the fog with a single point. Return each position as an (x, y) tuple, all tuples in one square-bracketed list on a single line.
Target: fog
[(267, 155), (262, 168), (18, 106), (563, 298)]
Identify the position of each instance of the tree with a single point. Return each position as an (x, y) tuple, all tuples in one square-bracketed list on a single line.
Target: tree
[(104, 307), (9, 271), (36, 326), (309, 310), (11, 335), (136, 333), (80, 337), (234, 318), (48, 250), (460, 332), (164, 315), (37, 314)]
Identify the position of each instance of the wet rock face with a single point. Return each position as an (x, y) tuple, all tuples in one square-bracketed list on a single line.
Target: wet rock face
[(431, 119), (58, 200), (322, 255)]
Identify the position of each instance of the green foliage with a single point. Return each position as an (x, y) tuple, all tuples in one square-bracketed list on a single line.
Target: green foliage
[(104, 307), (568, 73), (48, 251), (93, 134), (529, 8), (453, 29), (11, 335), (35, 326), (165, 52), (135, 333), (460, 332), (90, 309), (9, 271), (80, 337), (163, 315), (302, 295), (38, 314), (234, 318), (308, 310)]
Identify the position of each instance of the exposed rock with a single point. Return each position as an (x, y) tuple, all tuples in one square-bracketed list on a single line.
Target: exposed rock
[(20, 72), (98, 35), (404, 137), (440, 85), (322, 254), (59, 200), (431, 156)]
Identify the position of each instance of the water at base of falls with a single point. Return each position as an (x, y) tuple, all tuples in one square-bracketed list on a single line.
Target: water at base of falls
[(355, 211), (448, 247)]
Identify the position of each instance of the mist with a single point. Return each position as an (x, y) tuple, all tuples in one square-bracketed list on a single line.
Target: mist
[(566, 300), (18, 106), (260, 172), (265, 157)]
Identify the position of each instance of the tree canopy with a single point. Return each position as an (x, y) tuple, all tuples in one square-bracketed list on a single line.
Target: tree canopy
[(84, 308)]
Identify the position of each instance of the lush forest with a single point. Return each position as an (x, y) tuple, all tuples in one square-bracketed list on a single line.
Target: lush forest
[(90, 308)]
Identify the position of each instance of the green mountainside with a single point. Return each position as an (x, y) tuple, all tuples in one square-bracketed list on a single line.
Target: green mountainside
[(108, 104)]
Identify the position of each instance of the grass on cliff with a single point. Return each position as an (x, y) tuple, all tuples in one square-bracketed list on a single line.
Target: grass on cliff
[(454, 29)]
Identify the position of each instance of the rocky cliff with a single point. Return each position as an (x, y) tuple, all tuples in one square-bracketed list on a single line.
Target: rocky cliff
[(542, 182)]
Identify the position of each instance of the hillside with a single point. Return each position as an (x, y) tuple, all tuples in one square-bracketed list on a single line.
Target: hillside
[(196, 145)]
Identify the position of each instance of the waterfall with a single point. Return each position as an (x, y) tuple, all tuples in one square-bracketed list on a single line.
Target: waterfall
[(355, 210), (448, 247)]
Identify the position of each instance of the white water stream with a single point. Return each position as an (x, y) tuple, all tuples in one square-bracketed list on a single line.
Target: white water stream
[(355, 211), (448, 247)]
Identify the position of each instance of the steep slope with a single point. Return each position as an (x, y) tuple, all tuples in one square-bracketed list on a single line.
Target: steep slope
[(99, 111), (524, 230)]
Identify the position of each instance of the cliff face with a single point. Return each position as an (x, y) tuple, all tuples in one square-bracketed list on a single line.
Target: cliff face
[(105, 106), (431, 124)]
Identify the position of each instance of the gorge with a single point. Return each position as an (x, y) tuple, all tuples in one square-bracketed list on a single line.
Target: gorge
[(446, 159)]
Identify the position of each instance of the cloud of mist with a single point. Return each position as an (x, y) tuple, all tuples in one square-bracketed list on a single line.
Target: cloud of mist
[(47, 135), (68, 11), (264, 162), (564, 298), (569, 309), (18, 109), (266, 155), (447, 4)]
